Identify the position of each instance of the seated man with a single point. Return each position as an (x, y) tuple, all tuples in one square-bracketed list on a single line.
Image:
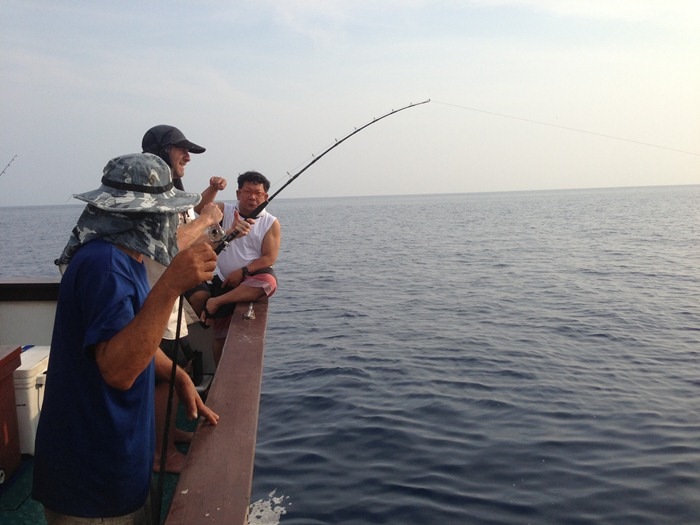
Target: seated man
[(244, 268)]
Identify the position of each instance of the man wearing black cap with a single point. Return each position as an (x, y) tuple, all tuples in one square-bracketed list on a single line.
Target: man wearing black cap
[(171, 145)]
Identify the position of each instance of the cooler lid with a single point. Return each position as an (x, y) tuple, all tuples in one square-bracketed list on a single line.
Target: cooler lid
[(35, 359)]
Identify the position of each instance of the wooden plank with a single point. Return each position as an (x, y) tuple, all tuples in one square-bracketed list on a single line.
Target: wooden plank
[(215, 484)]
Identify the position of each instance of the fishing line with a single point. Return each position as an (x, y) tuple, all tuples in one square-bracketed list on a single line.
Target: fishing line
[(217, 234), (568, 128)]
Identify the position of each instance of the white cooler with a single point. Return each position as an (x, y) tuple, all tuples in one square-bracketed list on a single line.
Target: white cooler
[(29, 393)]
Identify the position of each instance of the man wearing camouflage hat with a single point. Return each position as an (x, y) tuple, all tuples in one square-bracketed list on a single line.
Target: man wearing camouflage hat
[(95, 441)]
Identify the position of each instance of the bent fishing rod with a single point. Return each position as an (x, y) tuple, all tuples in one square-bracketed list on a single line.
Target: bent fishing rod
[(217, 234), (7, 166)]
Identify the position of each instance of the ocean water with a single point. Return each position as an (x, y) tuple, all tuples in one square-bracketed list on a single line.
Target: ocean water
[(503, 358)]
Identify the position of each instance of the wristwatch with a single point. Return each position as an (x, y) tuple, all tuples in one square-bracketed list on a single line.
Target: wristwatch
[(245, 271)]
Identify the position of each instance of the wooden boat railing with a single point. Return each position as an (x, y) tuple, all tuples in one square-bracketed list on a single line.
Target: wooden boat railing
[(215, 484)]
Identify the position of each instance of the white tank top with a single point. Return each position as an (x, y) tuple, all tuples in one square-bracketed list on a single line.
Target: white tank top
[(242, 251), (154, 271)]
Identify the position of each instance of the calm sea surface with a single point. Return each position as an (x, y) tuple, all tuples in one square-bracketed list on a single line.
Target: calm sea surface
[(507, 358)]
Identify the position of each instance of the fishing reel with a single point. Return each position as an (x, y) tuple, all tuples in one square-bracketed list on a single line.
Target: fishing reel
[(218, 236), (216, 233)]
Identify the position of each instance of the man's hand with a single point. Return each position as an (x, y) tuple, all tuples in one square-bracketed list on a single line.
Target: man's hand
[(211, 214), (217, 183), (191, 400), (242, 226)]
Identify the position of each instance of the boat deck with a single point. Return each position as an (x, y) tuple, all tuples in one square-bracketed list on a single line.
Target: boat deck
[(16, 505), (18, 508)]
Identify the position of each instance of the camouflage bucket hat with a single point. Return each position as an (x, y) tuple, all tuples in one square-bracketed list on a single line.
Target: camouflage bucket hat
[(139, 182)]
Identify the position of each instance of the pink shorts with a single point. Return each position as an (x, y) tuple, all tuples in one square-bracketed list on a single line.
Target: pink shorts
[(266, 281)]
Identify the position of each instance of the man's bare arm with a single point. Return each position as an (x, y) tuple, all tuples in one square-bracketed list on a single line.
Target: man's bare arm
[(122, 358), (269, 252), (216, 184)]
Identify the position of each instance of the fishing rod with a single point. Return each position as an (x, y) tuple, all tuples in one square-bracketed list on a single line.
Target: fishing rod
[(7, 166), (216, 234), (157, 505)]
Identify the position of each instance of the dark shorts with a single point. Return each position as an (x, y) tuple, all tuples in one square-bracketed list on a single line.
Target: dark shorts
[(185, 352), (199, 288), (186, 355)]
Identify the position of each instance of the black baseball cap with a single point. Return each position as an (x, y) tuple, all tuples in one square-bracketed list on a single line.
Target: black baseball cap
[(158, 137)]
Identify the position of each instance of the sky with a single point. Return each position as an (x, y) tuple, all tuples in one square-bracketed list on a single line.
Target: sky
[(524, 94)]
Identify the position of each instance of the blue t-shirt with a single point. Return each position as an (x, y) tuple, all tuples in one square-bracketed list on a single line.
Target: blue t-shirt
[(94, 443)]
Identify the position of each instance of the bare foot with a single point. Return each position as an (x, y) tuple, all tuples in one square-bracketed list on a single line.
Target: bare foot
[(173, 464)]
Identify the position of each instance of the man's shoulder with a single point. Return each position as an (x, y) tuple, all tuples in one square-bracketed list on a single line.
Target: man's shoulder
[(100, 256), (268, 216), (98, 248)]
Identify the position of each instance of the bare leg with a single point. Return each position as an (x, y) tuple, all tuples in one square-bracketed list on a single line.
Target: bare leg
[(198, 299), (218, 349), (176, 459), (239, 294)]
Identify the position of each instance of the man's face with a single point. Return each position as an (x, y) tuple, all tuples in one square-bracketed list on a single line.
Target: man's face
[(250, 196), (179, 157)]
